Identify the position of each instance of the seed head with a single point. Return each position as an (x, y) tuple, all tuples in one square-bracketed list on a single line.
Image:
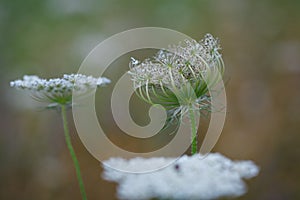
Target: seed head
[(179, 77)]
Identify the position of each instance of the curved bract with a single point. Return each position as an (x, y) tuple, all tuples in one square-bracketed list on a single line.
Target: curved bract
[(179, 77)]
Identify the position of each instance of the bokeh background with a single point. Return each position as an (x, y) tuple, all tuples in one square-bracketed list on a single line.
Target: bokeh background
[(261, 49)]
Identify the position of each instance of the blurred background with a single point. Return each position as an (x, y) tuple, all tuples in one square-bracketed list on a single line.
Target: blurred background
[(261, 50)]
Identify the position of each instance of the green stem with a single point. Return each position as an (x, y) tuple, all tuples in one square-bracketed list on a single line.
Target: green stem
[(193, 131), (72, 152)]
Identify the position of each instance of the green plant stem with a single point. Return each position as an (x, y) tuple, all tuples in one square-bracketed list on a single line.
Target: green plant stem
[(72, 152), (193, 131)]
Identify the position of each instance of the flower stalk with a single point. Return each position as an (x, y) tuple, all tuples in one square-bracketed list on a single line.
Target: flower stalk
[(193, 131), (72, 152)]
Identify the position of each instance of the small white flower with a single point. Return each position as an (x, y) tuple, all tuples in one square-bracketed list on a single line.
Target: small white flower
[(58, 91), (190, 177)]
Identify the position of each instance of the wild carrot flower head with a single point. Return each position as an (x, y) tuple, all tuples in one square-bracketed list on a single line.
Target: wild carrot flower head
[(189, 177), (179, 77), (58, 91)]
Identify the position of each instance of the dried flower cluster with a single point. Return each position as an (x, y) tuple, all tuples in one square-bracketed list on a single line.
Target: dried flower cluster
[(179, 77), (191, 177), (58, 91), (177, 65)]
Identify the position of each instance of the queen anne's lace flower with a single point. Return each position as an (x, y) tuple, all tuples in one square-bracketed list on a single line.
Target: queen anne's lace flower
[(179, 77), (190, 178), (58, 91)]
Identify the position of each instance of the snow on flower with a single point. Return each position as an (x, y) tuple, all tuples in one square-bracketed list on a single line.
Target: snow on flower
[(189, 177)]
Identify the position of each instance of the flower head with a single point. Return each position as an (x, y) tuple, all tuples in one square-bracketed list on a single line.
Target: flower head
[(179, 77), (189, 177), (58, 91)]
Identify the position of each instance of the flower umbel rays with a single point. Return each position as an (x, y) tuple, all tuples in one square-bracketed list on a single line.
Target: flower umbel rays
[(58, 91), (180, 78)]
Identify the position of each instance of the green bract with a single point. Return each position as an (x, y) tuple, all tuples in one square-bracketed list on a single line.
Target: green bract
[(179, 77)]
